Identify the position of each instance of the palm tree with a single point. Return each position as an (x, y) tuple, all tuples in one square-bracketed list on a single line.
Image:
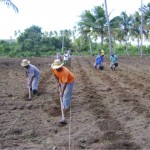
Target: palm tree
[(55, 33), (116, 31), (146, 24), (108, 24), (121, 27), (51, 34), (62, 34), (135, 28), (10, 4), (94, 22), (141, 28), (90, 44), (100, 26), (80, 44), (126, 26), (74, 33), (17, 33), (146, 13)]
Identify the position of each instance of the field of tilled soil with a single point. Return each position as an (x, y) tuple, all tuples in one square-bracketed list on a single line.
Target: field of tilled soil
[(110, 109)]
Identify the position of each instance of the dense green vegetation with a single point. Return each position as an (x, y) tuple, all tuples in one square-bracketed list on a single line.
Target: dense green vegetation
[(92, 27)]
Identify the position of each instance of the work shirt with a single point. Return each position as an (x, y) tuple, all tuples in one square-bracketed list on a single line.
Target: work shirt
[(64, 75), (66, 56), (58, 56), (98, 60), (32, 71), (69, 56), (114, 59)]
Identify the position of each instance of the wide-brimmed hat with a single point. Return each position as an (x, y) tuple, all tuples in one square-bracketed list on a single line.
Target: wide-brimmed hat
[(57, 64), (25, 62)]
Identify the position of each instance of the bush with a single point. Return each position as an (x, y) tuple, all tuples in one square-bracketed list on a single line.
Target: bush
[(12, 53)]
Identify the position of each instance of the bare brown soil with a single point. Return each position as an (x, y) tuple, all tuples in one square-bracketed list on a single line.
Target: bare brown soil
[(110, 109)]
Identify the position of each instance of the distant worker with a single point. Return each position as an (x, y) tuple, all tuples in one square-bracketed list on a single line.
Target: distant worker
[(98, 62), (33, 75), (65, 80), (102, 55), (58, 56), (65, 61), (114, 61)]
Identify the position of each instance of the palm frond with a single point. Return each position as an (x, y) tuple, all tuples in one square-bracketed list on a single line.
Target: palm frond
[(10, 4)]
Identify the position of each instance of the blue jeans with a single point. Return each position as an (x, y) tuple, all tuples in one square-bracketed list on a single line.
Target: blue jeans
[(67, 95)]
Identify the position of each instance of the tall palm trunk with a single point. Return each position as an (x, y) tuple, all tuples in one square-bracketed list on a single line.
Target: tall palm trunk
[(127, 47), (114, 44), (138, 41), (90, 42), (102, 40), (106, 13), (62, 42), (141, 50)]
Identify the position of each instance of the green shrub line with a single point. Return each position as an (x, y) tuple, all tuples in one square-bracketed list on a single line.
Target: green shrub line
[(13, 50)]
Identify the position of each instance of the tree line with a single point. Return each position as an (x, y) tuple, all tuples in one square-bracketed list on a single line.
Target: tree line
[(83, 39)]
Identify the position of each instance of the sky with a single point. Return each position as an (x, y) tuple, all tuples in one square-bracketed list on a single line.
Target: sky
[(55, 15)]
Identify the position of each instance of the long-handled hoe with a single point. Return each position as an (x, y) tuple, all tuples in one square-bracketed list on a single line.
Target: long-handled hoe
[(29, 93), (63, 122), (28, 80)]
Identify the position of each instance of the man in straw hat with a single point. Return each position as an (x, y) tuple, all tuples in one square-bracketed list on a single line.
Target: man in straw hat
[(66, 81), (32, 74)]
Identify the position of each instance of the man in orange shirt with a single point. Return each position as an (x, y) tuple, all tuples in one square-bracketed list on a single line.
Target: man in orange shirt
[(66, 81)]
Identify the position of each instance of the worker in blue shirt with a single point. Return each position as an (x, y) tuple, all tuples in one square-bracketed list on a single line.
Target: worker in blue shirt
[(33, 75), (114, 61), (98, 62)]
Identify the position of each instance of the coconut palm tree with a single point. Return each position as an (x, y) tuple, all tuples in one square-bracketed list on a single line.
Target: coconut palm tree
[(120, 28), (126, 27), (146, 16), (62, 34), (10, 4), (108, 24), (135, 28), (94, 22), (116, 31), (141, 29), (140, 26), (146, 12), (51, 34), (80, 44)]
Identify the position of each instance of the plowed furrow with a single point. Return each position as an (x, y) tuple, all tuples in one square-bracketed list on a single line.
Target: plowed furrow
[(110, 128), (133, 84), (122, 104)]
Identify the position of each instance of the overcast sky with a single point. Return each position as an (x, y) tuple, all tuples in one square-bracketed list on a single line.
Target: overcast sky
[(56, 15)]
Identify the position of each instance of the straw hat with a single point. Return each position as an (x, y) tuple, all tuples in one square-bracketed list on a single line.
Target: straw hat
[(25, 62), (57, 64)]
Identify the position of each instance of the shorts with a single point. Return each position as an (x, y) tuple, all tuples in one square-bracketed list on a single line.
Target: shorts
[(116, 64)]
